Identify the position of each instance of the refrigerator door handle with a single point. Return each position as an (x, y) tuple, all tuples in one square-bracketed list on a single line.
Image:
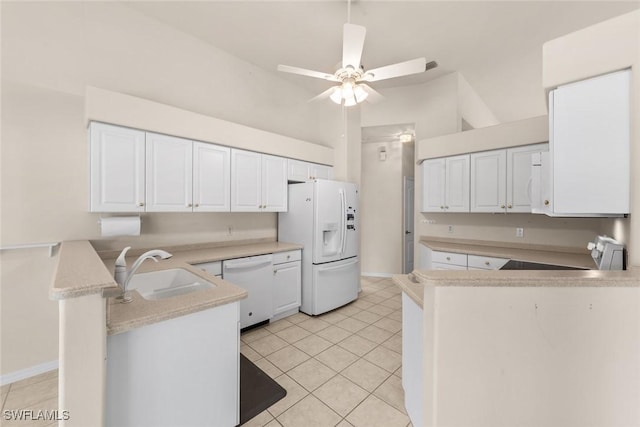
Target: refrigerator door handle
[(343, 221), (339, 267)]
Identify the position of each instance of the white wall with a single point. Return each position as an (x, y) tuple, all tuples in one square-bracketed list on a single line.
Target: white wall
[(50, 51), (472, 108)]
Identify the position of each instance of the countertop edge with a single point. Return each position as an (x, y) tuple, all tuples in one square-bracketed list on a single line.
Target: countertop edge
[(414, 290)]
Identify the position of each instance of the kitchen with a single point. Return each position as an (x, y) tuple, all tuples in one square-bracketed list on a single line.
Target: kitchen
[(55, 148)]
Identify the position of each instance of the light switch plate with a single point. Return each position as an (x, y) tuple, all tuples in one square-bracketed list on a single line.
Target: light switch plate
[(519, 232)]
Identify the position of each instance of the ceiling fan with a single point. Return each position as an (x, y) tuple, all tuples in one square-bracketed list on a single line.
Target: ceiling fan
[(351, 76)]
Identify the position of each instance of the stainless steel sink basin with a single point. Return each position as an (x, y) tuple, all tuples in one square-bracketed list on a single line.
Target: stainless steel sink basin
[(167, 283)]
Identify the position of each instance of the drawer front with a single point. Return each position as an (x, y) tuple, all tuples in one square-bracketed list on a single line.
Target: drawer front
[(486, 262), (442, 266), (449, 258), (288, 256)]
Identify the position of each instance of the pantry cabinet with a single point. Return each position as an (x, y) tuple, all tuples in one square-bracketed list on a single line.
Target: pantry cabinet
[(169, 173), (501, 179), (258, 182), (117, 168), (446, 184)]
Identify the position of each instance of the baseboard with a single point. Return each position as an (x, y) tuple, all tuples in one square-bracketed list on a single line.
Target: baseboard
[(32, 371), (377, 274)]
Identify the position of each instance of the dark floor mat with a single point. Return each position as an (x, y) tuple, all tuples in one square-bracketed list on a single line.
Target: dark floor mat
[(258, 390)]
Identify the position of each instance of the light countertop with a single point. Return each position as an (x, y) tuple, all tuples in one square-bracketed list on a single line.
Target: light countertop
[(81, 271)]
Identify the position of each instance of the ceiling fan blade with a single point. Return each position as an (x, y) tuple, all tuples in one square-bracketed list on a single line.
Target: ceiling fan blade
[(308, 73), (374, 95), (323, 95), (413, 66), (352, 45)]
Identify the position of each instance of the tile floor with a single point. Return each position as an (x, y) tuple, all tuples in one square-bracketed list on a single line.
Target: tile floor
[(342, 368)]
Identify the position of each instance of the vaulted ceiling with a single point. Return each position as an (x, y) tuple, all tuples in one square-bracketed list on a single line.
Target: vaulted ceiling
[(497, 46)]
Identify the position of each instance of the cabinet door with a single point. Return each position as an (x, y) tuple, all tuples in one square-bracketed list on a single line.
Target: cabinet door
[(590, 145), (211, 178), (519, 177), (488, 181), (287, 287), (433, 186), (321, 172), (274, 184), (457, 184), (246, 179), (298, 171), (169, 163), (117, 169)]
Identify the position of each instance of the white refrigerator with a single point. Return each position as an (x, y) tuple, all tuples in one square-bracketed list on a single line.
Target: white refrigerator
[(323, 217)]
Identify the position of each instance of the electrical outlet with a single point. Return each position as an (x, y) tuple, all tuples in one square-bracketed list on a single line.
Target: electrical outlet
[(519, 232), (229, 230), (451, 229)]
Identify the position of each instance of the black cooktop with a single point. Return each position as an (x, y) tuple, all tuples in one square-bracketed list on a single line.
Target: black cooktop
[(525, 265)]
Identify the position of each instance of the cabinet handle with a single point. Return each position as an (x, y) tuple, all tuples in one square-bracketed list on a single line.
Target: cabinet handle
[(509, 206), (448, 258), (441, 207), (197, 205), (446, 207), (189, 205), (502, 206), (546, 203), (275, 272), (141, 204), (487, 263), (288, 256)]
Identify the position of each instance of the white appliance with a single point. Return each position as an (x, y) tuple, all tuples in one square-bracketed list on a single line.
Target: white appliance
[(250, 273), (607, 253), (322, 216)]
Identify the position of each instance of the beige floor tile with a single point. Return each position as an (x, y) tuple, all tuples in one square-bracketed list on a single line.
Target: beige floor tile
[(374, 298), (260, 420), (357, 345), (387, 359), (293, 333), (278, 325), (362, 304), (389, 325), (314, 324), (351, 324), (31, 394), (35, 379), (344, 423), (287, 358), (381, 310), (393, 302), (333, 316), (311, 374), (295, 393), (309, 412), (394, 343), (337, 358), (398, 372), (49, 405), (367, 316), (313, 344), (387, 293), (254, 335), (298, 317), (340, 394), (249, 353), (396, 315), (269, 344), (349, 310), (391, 392), (268, 368), (333, 334), (366, 374), (373, 412), (274, 423), (375, 334)]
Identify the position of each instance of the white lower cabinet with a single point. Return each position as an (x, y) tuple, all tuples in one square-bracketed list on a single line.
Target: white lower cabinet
[(438, 260), (287, 283), (412, 358), (179, 372)]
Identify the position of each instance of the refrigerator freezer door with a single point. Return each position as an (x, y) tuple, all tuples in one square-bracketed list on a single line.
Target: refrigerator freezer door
[(334, 285), (330, 221)]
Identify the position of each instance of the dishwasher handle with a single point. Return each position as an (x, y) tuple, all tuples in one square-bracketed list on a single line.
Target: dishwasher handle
[(237, 265)]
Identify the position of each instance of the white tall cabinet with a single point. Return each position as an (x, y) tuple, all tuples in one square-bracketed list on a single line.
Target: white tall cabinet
[(117, 168), (446, 184), (258, 182), (169, 174)]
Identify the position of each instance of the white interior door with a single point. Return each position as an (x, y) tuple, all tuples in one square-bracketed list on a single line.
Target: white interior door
[(409, 190)]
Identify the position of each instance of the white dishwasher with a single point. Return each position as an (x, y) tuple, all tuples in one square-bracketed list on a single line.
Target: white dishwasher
[(255, 274)]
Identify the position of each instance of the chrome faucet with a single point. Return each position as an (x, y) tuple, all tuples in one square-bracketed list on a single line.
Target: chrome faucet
[(123, 276)]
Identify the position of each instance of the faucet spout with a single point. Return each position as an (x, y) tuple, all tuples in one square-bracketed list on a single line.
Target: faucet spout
[(123, 276)]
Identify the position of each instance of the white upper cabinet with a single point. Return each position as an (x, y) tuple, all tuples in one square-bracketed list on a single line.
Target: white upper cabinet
[(488, 181), (258, 182), (589, 126), (501, 179), (211, 178), (274, 184), (117, 169), (169, 174), (446, 184), (299, 171)]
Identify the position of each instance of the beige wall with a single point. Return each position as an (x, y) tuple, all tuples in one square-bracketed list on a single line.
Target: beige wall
[(472, 108), (50, 52)]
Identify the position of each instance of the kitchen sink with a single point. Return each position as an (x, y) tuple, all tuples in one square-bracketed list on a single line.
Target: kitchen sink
[(163, 284)]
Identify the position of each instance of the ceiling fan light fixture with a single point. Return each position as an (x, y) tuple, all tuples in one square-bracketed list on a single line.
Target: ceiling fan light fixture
[(336, 95), (359, 93)]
